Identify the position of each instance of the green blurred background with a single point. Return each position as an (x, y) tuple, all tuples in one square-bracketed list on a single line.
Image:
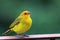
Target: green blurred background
[(45, 15)]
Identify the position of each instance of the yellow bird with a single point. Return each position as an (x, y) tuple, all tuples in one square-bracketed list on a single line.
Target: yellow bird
[(21, 24)]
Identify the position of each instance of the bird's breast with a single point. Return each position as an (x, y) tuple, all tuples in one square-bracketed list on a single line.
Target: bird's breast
[(23, 26)]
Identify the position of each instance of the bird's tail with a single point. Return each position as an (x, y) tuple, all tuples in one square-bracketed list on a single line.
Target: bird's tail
[(7, 32)]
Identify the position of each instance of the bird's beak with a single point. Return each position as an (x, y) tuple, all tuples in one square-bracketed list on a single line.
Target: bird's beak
[(28, 12)]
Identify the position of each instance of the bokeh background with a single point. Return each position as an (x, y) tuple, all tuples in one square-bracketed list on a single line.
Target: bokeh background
[(45, 15)]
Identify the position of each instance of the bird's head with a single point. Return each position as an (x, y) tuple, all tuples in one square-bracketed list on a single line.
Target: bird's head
[(25, 14)]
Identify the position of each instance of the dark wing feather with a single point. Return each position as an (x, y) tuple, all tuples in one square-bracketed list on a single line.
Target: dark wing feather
[(17, 21)]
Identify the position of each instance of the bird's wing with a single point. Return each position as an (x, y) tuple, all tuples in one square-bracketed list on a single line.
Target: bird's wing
[(17, 21)]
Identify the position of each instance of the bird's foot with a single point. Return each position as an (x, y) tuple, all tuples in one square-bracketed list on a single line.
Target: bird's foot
[(25, 35), (22, 36)]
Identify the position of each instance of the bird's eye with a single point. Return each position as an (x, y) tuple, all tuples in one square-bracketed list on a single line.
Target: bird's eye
[(25, 13)]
